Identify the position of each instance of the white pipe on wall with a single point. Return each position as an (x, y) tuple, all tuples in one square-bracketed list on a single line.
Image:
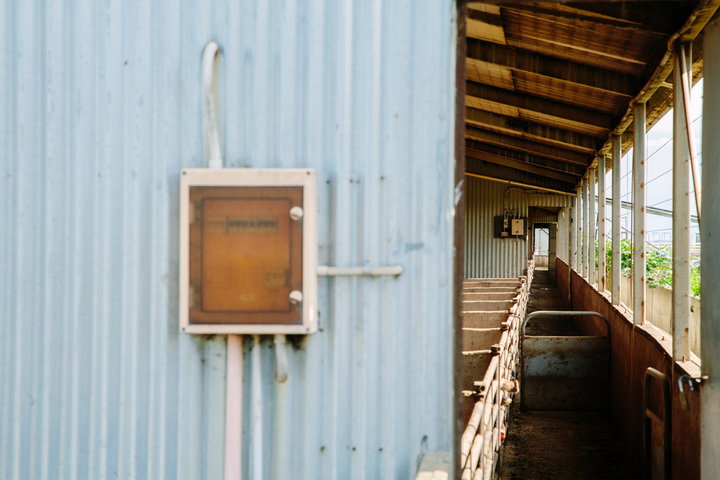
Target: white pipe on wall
[(211, 55), (257, 415), (234, 408), (328, 271), (234, 354)]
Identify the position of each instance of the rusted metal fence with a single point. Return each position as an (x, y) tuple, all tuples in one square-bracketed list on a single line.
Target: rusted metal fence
[(490, 366)]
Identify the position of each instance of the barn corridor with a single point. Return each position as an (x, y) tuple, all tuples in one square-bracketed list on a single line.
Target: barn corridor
[(559, 444)]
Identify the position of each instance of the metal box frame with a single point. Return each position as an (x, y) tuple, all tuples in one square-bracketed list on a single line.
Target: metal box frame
[(303, 178)]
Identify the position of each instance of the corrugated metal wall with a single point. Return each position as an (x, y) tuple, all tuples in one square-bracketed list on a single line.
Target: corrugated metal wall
[(99, 111), (486, 256)]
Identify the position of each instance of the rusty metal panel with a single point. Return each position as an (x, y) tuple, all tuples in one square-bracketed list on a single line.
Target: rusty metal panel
[(565, 373)]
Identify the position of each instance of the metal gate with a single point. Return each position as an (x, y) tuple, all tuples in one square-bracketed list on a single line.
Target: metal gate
[(566, 373)]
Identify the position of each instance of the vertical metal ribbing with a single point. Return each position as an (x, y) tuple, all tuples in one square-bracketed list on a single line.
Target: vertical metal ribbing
[(592, 227), (602, 273), (638, 176), (710, 266), (616, 159), (586, 229), (681, 219)]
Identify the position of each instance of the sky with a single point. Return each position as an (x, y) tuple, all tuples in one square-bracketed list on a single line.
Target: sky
[(658, 173)]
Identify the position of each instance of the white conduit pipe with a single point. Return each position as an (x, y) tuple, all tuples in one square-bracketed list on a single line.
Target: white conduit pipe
[(328, 271), (234, 355), (257, 440), (210, 57), (234, 408)]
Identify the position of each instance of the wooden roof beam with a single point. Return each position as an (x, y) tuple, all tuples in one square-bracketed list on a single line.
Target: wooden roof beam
[(572, 72), (540, 105), (526, 167), (502, 172), (574, 13), (523, 128), (557, 165), (526, 146)]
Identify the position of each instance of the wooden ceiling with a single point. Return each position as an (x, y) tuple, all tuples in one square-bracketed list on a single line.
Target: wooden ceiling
[(548, 82)]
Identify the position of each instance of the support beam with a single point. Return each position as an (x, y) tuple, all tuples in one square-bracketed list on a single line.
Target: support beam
[(526, 129), (579, 231), (525, 145), (502, 172), (710, 265), (592, 227), (602, 270), (558, 166), (518, 165), (638, 177), (681, 219), (572, 242), (553, 110), (617, 161), (586, 229), (576, 73)]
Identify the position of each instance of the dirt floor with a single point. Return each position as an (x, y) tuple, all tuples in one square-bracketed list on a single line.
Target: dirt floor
[(559, 445), (563, 445)]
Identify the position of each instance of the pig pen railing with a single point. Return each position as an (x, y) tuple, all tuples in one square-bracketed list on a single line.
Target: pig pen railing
[(493, 310)]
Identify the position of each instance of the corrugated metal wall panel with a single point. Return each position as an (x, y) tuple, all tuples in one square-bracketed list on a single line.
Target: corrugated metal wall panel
[(548, 200), (99, 112), (486, 256)]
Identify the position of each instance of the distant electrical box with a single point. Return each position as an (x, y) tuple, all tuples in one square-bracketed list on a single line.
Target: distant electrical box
[(510, 227), (248, 243)]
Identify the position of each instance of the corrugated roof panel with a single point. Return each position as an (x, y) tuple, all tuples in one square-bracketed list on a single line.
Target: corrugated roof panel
[(100, 111)]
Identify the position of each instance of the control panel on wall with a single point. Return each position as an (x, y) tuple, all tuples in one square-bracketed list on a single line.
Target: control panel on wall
[(248, 243), (507, 226)]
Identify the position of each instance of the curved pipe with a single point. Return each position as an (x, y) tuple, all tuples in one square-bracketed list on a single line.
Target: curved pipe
[(563, 313), (281, 355), (211, 55)]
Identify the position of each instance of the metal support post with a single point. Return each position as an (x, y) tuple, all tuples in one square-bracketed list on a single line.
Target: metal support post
[(591, 216), (617, 161), (572, 242), (681, 218), (638, 176), (586, 229), (602, 271), (579, 233), (710, 265)]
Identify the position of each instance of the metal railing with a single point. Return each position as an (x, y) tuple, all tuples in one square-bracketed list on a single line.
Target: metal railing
[(485, 431)]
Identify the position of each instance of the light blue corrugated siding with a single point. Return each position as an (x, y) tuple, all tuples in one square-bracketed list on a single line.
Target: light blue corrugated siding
[(99, 111), (486, 256)]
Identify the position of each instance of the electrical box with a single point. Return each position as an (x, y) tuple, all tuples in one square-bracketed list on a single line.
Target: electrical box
[(248, 251), (510, 227), (517, 226)]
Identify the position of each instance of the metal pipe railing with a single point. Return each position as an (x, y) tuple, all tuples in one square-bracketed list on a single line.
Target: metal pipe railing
[(481, 440)]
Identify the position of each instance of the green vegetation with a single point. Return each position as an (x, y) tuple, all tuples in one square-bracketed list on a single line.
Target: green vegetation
[(658, 265)]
